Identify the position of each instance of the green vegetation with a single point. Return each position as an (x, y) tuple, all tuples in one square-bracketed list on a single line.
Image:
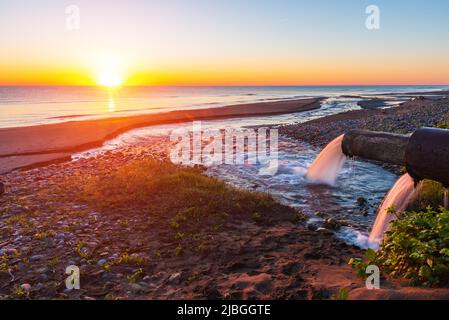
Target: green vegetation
[(82, 251), (360, 264), (443, 125), (133, 260), (343, 294), (44, 235), (53, 263), (18, 292), (189, 204), (415, 248), (417, 245), (429, 193), (136, 276)]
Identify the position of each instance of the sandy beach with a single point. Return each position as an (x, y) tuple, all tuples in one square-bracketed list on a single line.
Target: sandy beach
[(23, 147)]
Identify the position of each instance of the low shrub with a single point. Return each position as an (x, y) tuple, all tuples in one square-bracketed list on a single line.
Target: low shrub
[(415, 248)]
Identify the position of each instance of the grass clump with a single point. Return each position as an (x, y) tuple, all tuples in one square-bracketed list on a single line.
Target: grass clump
[(136, 276), (443, 125), (183, 194), (343, 294), (127, 259), (429, 194), (183, 200)]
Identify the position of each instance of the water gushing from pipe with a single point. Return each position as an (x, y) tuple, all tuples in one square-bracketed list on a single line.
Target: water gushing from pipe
[(325, 168), (398, 198)]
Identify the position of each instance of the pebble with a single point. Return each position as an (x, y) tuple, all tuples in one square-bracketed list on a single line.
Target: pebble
[(26, 287), (11, 251), (312, 227), (36, 257), (60, 236), (38, 286), (333, 224), (136, 288), (175, 278), (324, 231), (43, 277), (42, 270), (361, 201), (102, 262), (106, 276), (113, 257)]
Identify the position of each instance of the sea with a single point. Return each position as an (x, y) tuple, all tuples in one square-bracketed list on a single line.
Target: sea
[(31, 105)]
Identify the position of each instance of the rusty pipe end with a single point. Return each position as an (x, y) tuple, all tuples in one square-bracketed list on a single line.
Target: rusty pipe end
[(427, 155)]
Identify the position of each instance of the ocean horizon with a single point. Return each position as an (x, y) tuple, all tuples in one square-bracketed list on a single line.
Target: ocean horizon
[(34, 105)]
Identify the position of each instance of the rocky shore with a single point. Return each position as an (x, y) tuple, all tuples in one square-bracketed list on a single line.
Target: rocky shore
[(404, 119)]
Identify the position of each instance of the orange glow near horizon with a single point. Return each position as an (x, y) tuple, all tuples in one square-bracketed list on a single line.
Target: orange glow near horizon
[(76, 79), (313, 74), (115, 70), (119, 68)]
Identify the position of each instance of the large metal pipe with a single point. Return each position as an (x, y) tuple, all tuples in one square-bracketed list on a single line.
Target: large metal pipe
[(380, 146), (425, 153)]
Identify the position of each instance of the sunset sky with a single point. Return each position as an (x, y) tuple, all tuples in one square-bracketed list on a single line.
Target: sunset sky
[(209, 42)]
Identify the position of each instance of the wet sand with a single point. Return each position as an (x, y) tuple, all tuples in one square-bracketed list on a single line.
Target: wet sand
[(78, 135), (59, 140)]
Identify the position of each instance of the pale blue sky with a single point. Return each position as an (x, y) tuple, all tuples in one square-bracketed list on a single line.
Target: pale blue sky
[(247, 35)]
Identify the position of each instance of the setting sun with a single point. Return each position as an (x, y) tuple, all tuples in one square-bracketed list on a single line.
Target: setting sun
[(110, 79)]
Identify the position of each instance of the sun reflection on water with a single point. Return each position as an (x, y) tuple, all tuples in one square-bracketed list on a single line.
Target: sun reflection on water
[(111, 102)]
